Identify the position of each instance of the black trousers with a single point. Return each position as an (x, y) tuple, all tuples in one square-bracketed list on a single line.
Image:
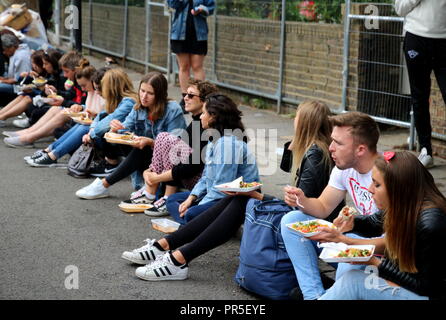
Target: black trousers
[(136, 160), (424, 55), (210, 229)]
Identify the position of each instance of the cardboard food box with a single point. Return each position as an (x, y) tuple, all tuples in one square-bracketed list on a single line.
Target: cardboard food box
[(17, 17)]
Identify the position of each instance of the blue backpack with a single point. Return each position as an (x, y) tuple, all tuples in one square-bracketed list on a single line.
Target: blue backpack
[(265, 268)]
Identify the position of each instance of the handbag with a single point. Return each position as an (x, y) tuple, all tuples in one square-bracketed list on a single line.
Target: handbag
[(80, 161)]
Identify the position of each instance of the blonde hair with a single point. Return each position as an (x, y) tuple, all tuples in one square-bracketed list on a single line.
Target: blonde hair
[(313, 127), (116, 85)]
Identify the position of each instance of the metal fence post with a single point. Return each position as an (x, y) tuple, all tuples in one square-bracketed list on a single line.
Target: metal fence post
[(281, 57), (90, 22), (148, 36), (57, 19), (346, 55), (214, 53), (124, 41)]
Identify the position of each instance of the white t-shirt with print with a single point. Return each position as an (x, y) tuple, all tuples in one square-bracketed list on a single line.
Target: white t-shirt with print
[(356, 184)]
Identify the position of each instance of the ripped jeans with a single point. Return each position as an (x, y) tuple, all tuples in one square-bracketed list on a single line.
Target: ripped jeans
[(359, 285)]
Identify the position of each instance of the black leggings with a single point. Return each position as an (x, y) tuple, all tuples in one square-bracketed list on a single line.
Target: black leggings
[(424, 55), (210, 229), (137, 159)]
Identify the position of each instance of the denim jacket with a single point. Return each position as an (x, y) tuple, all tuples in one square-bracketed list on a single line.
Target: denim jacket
[(178, 30), (226, 160), (101, 124), (172, 121)]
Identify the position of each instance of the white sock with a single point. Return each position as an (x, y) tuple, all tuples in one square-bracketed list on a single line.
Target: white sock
[(148, 195)]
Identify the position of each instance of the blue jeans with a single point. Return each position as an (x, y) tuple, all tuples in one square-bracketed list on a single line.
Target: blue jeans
[(173, 204), (6, 88), (304, 255), (70, 141), (358, 285)]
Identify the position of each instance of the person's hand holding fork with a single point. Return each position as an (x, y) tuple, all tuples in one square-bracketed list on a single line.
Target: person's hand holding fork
[(293, 196)]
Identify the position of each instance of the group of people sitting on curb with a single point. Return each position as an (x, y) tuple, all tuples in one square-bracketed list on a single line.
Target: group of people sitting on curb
[(400, 210)]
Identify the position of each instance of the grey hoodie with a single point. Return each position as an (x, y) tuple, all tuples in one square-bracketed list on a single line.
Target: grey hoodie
[(425, 18)]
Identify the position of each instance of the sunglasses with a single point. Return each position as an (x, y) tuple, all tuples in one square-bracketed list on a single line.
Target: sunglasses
[(191, 95)]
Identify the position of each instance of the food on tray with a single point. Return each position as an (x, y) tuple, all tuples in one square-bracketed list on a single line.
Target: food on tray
[(347, 212), (127, 136), (309, 227), (249, 184), (39, 81), (85, 116), (354, 253)]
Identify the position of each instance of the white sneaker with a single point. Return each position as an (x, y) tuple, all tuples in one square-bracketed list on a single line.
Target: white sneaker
[(21, 123), (425, 159), (143, 255), (95, 190), (162, 269)]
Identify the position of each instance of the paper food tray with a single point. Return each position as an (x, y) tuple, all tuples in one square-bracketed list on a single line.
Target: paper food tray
[(84, 122), (134, 208), (309, 234), (165, 225), (234, 186), (329, 254), (112, 137)]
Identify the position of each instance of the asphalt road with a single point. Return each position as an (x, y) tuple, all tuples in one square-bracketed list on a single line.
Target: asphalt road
[(49, 236), (45, 228)]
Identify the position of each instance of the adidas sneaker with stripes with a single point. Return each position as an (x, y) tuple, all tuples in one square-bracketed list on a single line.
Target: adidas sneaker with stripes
[(162, 269)]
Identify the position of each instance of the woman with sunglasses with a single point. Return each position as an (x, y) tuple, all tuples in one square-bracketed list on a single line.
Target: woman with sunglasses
[(413, 219), (72, 139), (176, 160), (153, 113)]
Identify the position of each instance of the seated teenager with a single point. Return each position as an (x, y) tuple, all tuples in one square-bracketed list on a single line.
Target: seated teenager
[(152, 114), (54, 117), (227, 158), (413, 218), (177, 160), (353, 150), (310, 169), (72, 139), (24, 99), (19, 56)]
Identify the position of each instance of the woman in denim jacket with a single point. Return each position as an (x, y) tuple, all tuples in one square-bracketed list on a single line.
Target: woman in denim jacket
[(227, 158), (188, 38), (152, 114)]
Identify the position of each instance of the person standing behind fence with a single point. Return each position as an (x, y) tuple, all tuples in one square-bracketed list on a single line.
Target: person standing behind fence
[(425, 50), (188, 38)]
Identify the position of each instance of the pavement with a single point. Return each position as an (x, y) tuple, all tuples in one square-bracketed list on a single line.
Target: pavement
[(50, 238)]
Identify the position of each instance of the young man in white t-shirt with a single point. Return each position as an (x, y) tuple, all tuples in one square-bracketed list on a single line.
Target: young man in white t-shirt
[(353, 149)]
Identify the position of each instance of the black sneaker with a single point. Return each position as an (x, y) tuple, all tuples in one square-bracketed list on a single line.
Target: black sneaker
[(102, 169), (159, 208), (43, 161), (35, 155)]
